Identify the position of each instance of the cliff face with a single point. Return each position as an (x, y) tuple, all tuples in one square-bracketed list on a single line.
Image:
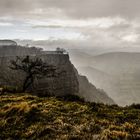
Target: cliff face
[(68, 81), (64, 83)]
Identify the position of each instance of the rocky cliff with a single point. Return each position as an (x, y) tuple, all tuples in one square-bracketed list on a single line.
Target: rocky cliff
[(64, 83), (68, 81)]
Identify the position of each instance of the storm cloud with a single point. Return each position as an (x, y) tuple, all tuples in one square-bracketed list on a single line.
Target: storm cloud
[(74, 8), (95, 22)]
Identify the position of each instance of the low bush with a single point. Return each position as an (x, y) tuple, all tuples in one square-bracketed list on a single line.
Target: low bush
[(10, 89), (72, 98)]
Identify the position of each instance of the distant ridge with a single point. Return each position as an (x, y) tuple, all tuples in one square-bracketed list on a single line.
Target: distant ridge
[(7, 42)]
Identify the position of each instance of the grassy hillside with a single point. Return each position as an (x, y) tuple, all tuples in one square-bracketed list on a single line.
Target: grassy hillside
[(31, 117)]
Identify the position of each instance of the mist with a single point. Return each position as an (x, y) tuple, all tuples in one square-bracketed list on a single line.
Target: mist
[(115, 70)]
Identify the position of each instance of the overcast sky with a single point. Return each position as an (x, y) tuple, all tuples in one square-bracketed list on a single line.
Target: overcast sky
[(91, 22)]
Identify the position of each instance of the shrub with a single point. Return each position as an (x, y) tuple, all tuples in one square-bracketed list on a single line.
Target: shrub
[(10, 89), (72, 98), (135, 106)]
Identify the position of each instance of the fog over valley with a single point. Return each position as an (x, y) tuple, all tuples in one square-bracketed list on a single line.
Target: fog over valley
[(115, 70)]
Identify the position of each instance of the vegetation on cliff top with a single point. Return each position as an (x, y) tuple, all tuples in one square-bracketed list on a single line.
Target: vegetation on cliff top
[(30, 117)]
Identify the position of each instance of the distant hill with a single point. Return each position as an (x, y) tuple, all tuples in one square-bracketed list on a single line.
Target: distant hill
[(91, 93), (118, 73), (94, 74), (80, 58), (124, 68), (116, 63), (7, 43)]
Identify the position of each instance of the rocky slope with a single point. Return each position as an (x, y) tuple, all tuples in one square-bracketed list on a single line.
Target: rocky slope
[(91, 93), (117, 73)]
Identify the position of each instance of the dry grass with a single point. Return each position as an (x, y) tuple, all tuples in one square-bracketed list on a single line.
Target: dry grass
[(30, 117)]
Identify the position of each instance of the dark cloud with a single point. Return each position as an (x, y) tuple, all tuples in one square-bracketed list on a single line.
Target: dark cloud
[(14, 6), (114, 27), (75, 8)]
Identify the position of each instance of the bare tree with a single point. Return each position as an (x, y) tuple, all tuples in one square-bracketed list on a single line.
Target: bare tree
[(33, 68)]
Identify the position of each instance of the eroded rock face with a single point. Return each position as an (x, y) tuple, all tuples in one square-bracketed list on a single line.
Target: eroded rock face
[(64, 83), (68, 81)]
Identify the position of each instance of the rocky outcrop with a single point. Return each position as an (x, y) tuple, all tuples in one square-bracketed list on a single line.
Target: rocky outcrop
[(67, 81), (64, 83)]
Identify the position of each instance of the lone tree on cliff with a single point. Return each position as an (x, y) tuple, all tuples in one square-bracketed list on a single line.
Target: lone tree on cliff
[(33, 68), (61, 50)]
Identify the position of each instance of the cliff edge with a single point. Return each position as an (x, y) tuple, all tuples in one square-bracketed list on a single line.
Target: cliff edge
[(68, 81)]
